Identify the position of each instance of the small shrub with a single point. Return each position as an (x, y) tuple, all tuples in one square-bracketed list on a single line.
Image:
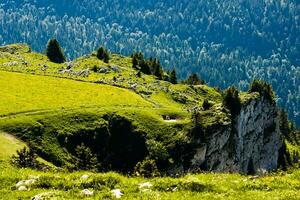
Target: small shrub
[(206, 104), (95, 68), (157, 150), (101, 181), (146, 168), (85, 159), (25, 158)]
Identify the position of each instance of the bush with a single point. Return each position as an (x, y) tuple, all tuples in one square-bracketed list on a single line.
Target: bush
[(54, 52), (85, 159), (25, 158), (264, 89), (157, 150), (232, 101), (146, 168), (206, 104)]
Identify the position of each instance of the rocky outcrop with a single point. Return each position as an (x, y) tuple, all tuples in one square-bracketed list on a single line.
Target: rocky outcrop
[(249, 144)]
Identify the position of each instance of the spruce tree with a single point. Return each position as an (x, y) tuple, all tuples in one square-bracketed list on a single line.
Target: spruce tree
[(232, 101), (144, 67), (54, 52), (100, 53), (157, 69), (173, 78), (103, 54), (106, 56), (193, 79), (135, 61)]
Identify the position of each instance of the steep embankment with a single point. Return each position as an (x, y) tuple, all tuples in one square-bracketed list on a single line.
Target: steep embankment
[(125, 118), (249, 144)]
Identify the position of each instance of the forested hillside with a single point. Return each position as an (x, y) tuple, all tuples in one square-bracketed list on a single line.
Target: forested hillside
[(225, 42)]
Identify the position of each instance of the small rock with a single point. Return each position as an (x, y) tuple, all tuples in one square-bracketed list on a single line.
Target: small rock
[(87, 192), (254, 177), (117, 193), (103, 70), (20, 183), (145, 190), (85, 177), (22, 188), (43, 196), (145, 185), (30, 181), (115, 68)]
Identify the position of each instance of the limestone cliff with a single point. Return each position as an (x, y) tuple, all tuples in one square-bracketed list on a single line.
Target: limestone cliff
[(249, 144)]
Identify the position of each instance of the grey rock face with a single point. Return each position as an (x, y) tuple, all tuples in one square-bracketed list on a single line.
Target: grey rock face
[(249, 145)]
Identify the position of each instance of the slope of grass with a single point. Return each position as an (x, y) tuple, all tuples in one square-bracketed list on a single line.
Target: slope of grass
[(44, 110), (60, 185), (21, 93), (9, 146)]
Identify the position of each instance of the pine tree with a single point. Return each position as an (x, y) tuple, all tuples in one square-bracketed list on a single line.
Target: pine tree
[(103, 54), (194, 80), (100, 53), (54, 52), (106, 56), (157, 69), (135, 62), (173, 78), (232, 101), (144, 67)]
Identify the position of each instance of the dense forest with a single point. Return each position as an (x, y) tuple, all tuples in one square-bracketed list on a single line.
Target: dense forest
[(224, 42)]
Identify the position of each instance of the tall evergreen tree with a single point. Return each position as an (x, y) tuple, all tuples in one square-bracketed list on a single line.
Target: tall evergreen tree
[(135, 61), (173, 78), (54, 52), (232, 100), (100, 53), (103, 54), (193, 79), (157, 69), (144, 67), (106, 56)]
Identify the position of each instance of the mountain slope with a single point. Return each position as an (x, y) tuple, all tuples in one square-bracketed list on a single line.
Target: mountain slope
[(125, 118)]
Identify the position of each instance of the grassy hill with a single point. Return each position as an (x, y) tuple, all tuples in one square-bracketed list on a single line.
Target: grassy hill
[(53, 108)]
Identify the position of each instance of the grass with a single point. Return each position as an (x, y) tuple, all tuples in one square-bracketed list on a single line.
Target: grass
[(63, 185), (21, 93), (9, 146)]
